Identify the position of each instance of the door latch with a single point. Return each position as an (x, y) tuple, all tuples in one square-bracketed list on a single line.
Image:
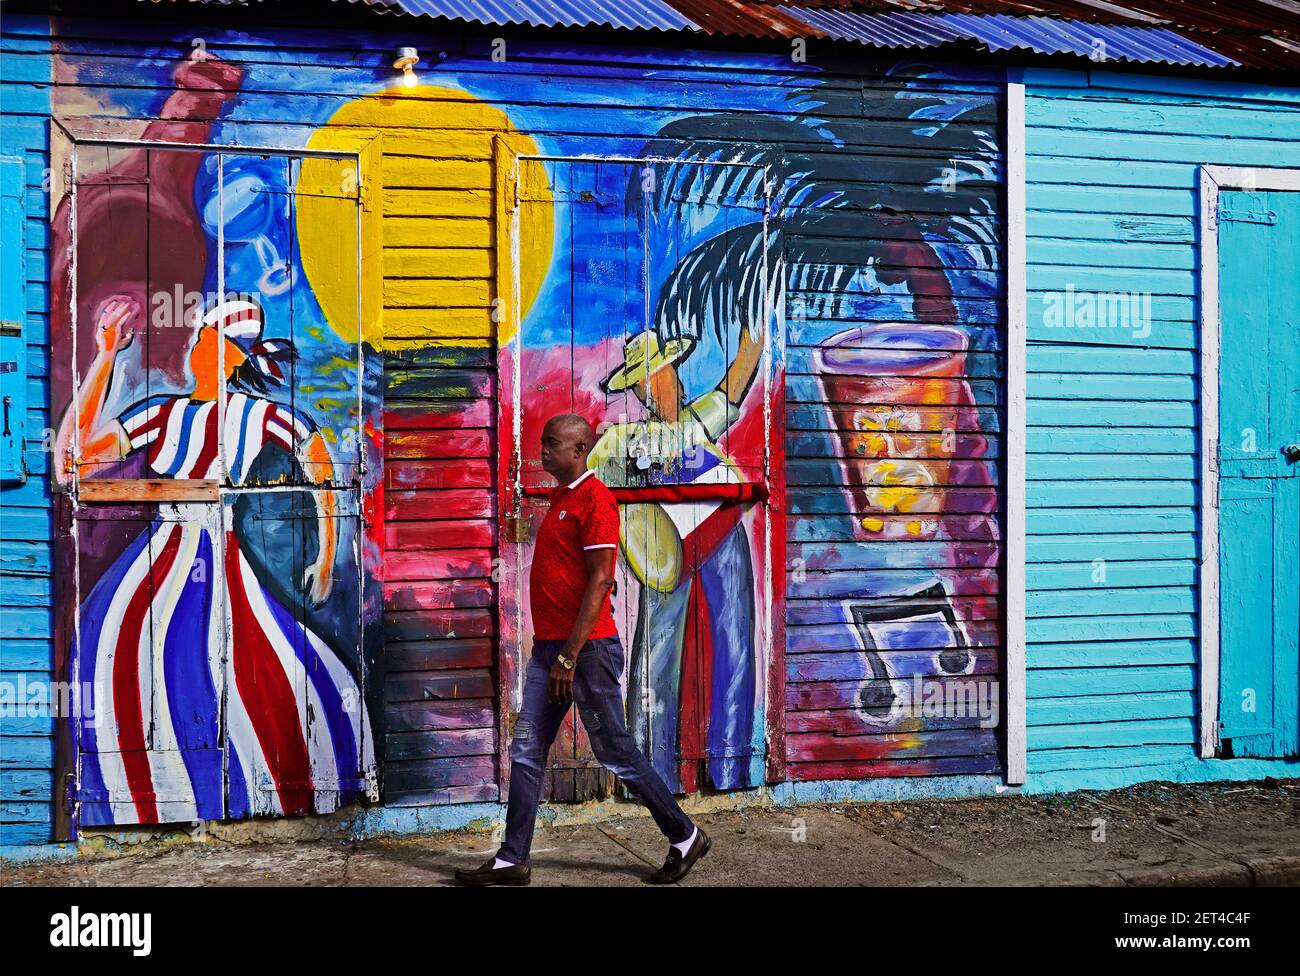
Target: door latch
[(69, 792), (1292, 451), (517, 528)]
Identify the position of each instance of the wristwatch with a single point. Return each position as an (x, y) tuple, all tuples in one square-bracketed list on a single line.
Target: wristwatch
[(564, 662)]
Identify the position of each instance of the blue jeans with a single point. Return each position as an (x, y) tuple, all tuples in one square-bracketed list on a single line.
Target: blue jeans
[(599, 697)]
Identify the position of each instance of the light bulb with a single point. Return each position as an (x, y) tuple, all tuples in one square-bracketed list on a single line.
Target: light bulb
[(407, 59)]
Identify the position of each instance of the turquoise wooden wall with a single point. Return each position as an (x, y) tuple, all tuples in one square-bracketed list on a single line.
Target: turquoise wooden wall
[(26, 526), (1112, 466)]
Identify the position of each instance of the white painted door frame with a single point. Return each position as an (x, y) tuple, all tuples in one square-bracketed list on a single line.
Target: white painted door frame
[(1213, 179), (222, 495), (1014, 596)]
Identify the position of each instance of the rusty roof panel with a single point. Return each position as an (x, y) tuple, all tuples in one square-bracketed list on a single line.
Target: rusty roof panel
[(744, 19)]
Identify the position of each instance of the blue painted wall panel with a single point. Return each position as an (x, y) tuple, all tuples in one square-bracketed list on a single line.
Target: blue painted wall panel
[(26, 738), (1113, 463)]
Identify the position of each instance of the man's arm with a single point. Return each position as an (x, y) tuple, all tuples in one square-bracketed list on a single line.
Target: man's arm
[(600, 580)]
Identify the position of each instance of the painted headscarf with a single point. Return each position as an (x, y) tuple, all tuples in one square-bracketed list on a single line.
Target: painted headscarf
[(240, 319)]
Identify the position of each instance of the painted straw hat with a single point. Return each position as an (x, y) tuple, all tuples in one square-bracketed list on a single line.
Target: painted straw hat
[(643, 354)]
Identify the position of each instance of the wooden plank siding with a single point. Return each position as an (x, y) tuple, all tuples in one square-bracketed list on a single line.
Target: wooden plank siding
[(1113, 460), (439, 592), (26, 518), (431, 184), (1112, 491), (845, 551)]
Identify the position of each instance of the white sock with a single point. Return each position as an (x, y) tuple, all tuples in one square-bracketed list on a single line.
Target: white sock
[(685, 846), (498, 863)]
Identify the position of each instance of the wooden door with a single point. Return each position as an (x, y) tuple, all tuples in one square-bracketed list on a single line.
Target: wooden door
[(593, 292), (1259, 473), (654, 322), (211, 431), (694, 456)]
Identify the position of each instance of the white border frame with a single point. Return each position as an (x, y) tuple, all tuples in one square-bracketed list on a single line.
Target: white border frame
[(775, 319), (1014, 595), (1212, 179)]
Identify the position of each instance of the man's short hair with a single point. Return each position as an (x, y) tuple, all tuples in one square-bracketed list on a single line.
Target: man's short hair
[(575, 424)]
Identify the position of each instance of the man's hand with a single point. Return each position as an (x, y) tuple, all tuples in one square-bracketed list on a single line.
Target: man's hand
[(560, 685)]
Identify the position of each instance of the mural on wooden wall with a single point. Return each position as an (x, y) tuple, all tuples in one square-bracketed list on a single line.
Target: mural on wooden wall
[(782, 317), (218, 419), (665, 267), (895, 366)]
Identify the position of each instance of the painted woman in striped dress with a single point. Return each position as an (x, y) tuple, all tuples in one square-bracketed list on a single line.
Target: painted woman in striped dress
[(150, 649)]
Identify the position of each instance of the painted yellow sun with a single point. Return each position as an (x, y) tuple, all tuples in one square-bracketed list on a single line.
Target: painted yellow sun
[(438, 247)]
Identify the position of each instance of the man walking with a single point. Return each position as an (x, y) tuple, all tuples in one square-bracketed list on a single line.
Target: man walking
[(578, 657)]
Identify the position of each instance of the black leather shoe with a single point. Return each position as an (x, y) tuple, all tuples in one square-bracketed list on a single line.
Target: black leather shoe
[(678, 866), (486, 874)]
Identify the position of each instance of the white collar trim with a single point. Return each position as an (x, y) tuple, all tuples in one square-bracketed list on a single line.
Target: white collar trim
[(581, 478)]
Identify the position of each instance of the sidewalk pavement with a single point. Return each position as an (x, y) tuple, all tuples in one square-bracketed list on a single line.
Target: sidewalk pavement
[(1153, 834)]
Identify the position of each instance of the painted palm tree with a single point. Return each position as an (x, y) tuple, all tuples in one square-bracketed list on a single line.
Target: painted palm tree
[(933, 182)]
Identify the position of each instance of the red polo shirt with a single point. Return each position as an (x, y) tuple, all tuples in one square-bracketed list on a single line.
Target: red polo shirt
[(583, 515)]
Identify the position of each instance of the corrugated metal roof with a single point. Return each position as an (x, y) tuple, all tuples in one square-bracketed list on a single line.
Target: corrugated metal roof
[(653, 14), (883, 29), (1254, 33), (1201, 33), (1002, 32), (1005, 33)]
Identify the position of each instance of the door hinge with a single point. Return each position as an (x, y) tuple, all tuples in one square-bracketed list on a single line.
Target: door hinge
[(1213, 455), (69, 792), (1242, 733), (1248, 216)]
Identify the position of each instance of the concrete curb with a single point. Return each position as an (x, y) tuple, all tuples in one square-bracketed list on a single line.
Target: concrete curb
[(1277, 871), (1273, 871)]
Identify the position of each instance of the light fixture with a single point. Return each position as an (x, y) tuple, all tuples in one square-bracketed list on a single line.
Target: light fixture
[(407, 58)]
